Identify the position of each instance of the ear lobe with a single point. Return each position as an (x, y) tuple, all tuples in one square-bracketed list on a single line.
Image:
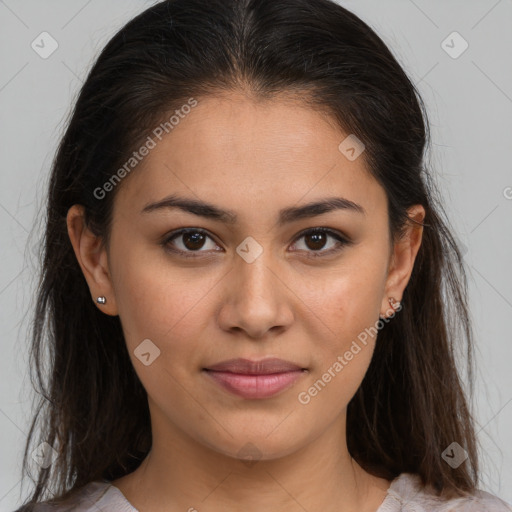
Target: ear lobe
[(403, 257), (92, 258)]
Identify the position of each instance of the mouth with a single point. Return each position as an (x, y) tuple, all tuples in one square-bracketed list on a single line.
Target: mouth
[(255, 379)]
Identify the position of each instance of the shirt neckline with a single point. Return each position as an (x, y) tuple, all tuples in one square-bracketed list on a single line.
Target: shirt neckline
[(390, 498)]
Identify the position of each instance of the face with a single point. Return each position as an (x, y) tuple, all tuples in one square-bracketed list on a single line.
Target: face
[(255, 282)]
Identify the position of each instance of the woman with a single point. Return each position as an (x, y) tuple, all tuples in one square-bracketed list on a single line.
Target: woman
[(249, 292)]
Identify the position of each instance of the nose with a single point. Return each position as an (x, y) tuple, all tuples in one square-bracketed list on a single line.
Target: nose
[(256, 298)]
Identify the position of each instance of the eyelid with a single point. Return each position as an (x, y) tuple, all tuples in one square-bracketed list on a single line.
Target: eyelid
[(320, 229), (343, 241), (182, 231)]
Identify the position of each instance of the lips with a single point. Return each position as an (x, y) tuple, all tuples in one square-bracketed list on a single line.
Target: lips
[(255, 379), (248, 367)]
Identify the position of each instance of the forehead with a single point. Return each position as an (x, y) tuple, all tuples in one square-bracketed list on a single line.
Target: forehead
[(233, 128), (231, 146)]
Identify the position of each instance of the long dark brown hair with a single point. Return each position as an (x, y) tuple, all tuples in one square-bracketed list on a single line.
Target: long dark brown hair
[(92, 408)]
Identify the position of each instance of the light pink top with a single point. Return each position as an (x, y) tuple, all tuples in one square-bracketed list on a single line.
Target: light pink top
[(405, 494)]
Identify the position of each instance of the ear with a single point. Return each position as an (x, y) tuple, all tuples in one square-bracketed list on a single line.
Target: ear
[(403, 256), (92, 258)]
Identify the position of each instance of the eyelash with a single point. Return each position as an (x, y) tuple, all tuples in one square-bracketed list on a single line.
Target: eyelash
[(313, 254)]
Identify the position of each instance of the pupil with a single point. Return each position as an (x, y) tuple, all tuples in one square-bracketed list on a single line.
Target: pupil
[(318, 243), (194, 238)]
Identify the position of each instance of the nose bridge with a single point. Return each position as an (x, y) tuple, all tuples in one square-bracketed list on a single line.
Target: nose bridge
[(254, 299), (253, 268)]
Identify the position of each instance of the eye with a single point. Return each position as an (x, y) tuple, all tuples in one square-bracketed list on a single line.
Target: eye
[(189, 241), (316, 239)]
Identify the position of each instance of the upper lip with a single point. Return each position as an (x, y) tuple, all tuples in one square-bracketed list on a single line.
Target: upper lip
[(249, 367)]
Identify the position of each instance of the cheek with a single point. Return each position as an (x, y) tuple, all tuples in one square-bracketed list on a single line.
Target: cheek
[(162, 303), (347, 301), (347, 306), (163, 307), (347, 310)]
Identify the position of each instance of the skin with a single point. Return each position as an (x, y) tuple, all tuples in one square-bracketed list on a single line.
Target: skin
[(253, 158)]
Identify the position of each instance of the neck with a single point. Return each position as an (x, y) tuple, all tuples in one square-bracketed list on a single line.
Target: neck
[(181, 473)]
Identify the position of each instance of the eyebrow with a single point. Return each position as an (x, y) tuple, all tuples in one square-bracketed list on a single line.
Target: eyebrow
[(286, 215)]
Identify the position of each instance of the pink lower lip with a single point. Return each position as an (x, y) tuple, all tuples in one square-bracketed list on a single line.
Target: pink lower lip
[(255, 386)]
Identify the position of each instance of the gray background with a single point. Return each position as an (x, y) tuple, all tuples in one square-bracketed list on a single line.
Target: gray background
[(469, 99)]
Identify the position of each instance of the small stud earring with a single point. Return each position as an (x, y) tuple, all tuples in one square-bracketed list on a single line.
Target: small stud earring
[(101, 300)]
